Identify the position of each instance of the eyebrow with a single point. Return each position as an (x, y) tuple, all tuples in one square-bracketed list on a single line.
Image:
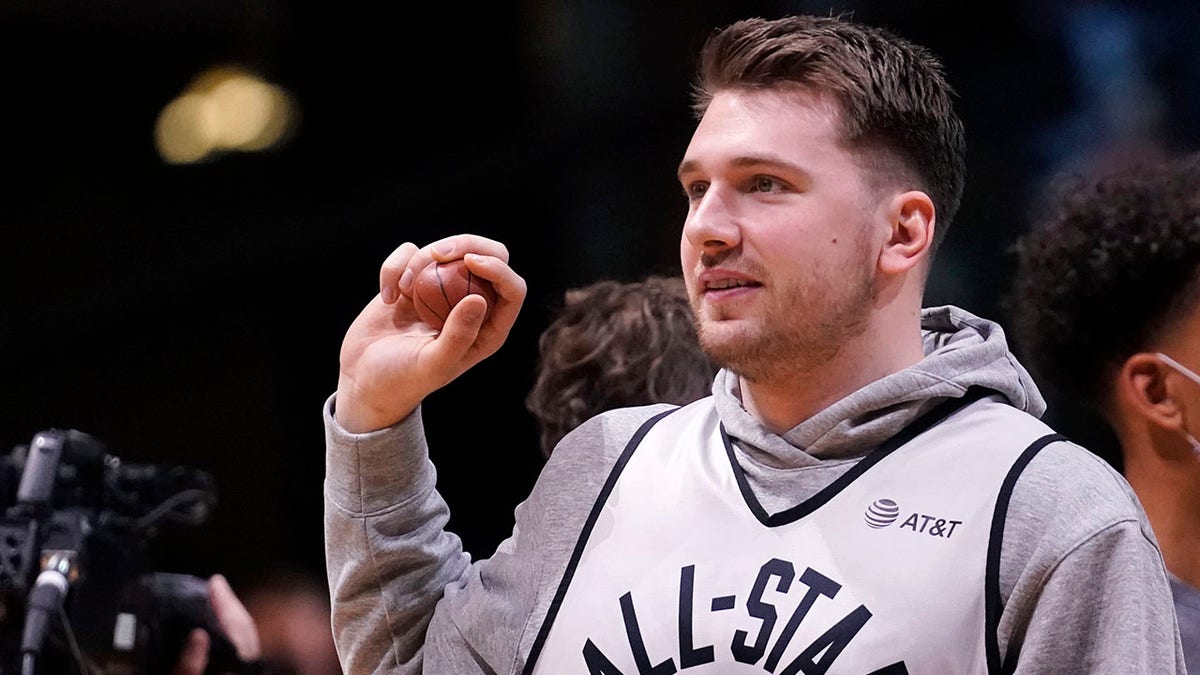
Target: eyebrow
[(689, 165)]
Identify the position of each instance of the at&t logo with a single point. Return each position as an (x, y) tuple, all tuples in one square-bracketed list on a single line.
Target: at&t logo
[(883, 512)]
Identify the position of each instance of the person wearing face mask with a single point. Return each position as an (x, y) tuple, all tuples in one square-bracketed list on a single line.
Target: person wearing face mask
[(1106, 310), (1191, 375)]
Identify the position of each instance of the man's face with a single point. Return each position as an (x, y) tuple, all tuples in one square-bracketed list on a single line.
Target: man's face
[(782, 234)]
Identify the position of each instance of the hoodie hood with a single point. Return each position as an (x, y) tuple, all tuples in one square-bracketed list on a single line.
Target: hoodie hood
[(961, 351)]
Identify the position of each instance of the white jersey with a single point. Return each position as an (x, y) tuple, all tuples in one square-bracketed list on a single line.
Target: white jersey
[(890, 569)]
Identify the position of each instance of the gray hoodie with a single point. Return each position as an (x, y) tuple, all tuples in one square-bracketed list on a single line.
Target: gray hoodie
[(1082, 581)]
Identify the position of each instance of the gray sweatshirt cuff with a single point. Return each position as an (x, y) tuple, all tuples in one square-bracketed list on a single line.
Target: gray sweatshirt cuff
[(375, 471)]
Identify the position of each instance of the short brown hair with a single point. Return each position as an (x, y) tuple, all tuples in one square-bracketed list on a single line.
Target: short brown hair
[(893, 95)]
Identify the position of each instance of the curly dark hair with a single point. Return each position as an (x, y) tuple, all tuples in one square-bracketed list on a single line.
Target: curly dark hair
[(613, 345), (1111, 262)]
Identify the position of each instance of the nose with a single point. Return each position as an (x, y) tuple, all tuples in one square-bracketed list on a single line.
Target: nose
[(711, 224)]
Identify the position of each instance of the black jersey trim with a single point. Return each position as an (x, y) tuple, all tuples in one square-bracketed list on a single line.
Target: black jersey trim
[(605, 491), (914, 429), (992, 607)]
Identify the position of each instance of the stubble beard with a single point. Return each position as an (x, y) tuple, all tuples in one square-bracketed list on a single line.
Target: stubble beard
[(798, 332)]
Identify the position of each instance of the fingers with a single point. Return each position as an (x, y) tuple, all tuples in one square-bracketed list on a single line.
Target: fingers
[(445, 250), (235, 620), (466, 338), (193, 658), (510, 286), (391, 360), (393, 269), (455, 247), (487, 259)]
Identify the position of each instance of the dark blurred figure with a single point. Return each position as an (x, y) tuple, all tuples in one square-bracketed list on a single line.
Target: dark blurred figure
[(615, 345), (1106, 308), (237, 625), (292, 613)]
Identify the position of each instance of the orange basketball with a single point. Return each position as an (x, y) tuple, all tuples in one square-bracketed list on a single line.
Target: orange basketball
[(440, 286)]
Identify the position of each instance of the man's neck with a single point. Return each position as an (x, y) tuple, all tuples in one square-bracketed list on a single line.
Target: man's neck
[(794, 395)]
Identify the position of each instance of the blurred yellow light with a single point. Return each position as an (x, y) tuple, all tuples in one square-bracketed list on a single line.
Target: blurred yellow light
[(278, 124), (183, 131), (224, 108)]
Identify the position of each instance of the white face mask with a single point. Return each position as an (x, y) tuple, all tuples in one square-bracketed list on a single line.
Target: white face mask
[(1191, 375)]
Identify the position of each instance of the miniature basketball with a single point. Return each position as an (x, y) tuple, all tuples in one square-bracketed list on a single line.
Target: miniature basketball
[(440, 286)]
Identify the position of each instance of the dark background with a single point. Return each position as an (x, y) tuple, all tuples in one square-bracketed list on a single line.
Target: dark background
[(193, 314)]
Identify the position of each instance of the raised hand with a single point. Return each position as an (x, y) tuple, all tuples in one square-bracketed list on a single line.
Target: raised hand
[(391, 360)]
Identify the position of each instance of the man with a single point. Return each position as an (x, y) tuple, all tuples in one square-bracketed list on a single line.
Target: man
[(868, 489), (1106, 305)]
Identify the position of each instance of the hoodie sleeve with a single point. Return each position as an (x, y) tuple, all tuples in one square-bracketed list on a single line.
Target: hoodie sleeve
[(1082, 578), (406, 598), (388, 556)]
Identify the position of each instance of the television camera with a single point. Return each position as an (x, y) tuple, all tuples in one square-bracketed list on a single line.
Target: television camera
[(77, 592)]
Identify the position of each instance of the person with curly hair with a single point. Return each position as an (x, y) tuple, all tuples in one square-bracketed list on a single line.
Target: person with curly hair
[(615, 344), (1106, 309)]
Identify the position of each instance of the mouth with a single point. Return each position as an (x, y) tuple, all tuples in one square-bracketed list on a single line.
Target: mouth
[(726, 284), (720, 287)]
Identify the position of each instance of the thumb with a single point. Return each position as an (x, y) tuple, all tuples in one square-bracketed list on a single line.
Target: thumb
[(460, 330), (471, 309)]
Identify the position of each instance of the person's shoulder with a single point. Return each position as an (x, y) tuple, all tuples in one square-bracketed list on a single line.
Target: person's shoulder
[(603, 437), (1066, 481), (1068, 502), (623, 423)]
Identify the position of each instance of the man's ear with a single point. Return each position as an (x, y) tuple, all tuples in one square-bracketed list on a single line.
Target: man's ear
[(911, 217), (1141, 389)]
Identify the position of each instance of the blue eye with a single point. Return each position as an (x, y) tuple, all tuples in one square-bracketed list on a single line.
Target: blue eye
[(765, 184)]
